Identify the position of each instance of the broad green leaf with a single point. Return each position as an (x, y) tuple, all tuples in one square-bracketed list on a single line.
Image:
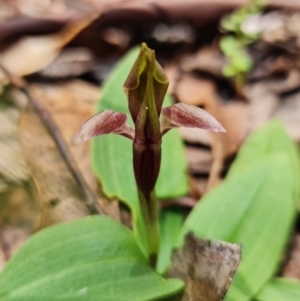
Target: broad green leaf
[(171, 221), (92, 259), (280, 289), (271, 138), (112, 154), (255, 209)]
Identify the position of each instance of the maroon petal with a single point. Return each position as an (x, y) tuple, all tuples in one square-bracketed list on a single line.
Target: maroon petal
[(183, 115), (105, 122)]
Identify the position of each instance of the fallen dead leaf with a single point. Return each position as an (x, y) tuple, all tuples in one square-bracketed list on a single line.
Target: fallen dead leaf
[(31, 54), (70, 62), (61, 200), (206, 267), (234, 117), (13, 168), (196, 91), (19, 206), (19, 218), (70, 104), (208, 59)]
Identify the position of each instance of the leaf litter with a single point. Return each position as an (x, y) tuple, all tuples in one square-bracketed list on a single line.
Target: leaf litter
[(198, 80)]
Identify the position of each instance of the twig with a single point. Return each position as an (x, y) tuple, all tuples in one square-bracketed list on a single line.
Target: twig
[(52, 128)]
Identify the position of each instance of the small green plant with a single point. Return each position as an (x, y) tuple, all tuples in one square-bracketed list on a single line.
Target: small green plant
[(99, 259), (145, 88), (234, 44)]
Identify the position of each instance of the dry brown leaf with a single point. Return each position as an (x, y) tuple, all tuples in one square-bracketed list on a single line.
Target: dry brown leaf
[(60, 197), (13, 168), (199, 92), (19, 207), (31, 54), (234, 117), (70, 104), (172, 73), (70, 62), (208, 59), (195, 91), (206, 267), (19, 218)]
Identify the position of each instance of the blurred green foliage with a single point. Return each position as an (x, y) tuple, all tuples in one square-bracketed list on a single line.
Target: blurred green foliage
[(234, 44)]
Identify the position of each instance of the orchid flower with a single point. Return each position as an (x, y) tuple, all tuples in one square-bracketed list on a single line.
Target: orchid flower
[(145, 87)]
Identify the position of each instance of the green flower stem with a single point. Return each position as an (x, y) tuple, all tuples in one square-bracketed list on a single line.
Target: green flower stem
[(150, 217)]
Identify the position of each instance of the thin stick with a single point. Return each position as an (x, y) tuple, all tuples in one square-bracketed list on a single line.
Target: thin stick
[(52, 128)]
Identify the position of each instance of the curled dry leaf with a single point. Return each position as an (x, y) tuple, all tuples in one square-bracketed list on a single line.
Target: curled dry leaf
[(32, 54), (206, 267), (105, 122)]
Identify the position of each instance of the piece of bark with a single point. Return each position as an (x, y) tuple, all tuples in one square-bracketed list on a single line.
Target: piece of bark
[(206, 267)]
